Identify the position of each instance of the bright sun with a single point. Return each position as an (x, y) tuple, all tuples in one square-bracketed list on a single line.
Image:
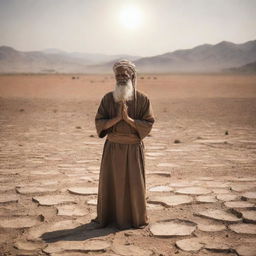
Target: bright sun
[(131, 17)]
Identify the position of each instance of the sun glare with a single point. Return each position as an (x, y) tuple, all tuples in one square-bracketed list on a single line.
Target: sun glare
[(131, 17)]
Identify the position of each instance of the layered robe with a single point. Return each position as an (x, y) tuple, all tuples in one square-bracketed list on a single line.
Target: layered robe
[(122, 186)]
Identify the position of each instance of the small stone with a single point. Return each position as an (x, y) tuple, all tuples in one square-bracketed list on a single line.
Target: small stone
[(48, 200), (167, 165), (169, 201), (248, 216), (249, 195), (154, 206), (238, 204), (226, 197), (155, 154), (243, 228), (246, 250), (219, 215), (92, 202), (218, 247), (71, 210), (171, 228), (206, 199), (29, 246), (9, 198), (190, 245), (211, 227), (19, 222), (84, 191), (193, 191), (242, 187), (161, 189), (35, 190), (77, 246)]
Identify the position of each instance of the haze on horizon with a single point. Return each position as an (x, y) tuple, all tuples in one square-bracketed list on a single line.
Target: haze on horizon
[(142, 27)]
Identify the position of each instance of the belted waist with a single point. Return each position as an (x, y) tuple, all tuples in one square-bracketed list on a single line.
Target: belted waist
[(123, 138)]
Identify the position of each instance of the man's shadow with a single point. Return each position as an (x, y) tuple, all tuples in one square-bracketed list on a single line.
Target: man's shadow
[(83, 232)]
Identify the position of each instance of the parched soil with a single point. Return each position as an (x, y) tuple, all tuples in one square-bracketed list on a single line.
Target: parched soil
[(200, 166)]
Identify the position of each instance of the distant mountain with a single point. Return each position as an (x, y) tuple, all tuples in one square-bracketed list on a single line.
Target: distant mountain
[(249, 68), (50, 61), (203, 58)]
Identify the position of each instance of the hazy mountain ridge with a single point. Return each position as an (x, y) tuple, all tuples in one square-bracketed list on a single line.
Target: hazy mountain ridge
[(249, 68), (203, 58)]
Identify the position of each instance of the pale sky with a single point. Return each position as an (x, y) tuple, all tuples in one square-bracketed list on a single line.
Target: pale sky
[(136, 27)]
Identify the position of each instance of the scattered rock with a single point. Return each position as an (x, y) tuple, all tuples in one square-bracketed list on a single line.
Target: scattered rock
[(77, 246), (161, 189), (219, 246), (8, 198), (226, 197), (71, 210), (246, 250), (53, 199), (19, 222), (219, 215), (92, 202), (206, 199), (193, 191), (249, 195), (167, 165), (28, 245), (211, 227), (248, 216), (171, 200), (83, 190), (242, 187), (34, 190), (171, 228), (242, 228), (154, 154), (238, 204), (190, 245)]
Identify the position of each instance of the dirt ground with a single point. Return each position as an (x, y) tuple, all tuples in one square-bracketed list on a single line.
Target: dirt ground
[(203, 145)]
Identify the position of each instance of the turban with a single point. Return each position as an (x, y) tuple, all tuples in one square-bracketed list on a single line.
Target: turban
[(125, 64)]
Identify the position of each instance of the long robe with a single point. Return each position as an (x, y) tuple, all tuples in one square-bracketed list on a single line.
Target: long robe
[(122, 186)]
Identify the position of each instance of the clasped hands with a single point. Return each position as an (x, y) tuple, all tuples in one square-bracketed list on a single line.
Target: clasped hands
[(122, 113)]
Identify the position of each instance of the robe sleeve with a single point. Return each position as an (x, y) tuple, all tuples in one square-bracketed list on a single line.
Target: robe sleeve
[(101, 118), (145, 123)]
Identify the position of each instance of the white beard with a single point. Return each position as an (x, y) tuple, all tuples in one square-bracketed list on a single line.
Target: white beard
[(123, 92)]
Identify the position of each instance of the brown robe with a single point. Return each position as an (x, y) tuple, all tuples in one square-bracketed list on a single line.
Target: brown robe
[(122, 187)]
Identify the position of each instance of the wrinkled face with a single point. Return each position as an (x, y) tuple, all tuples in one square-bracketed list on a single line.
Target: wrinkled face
[(122, 76)]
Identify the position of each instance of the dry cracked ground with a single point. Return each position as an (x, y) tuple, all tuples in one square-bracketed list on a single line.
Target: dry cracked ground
[(200, 167)]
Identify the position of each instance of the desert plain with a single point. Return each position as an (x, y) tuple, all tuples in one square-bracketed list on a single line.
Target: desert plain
[(200, 166)]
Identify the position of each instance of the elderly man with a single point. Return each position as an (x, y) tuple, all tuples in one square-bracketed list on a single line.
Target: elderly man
[(126, 117)]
